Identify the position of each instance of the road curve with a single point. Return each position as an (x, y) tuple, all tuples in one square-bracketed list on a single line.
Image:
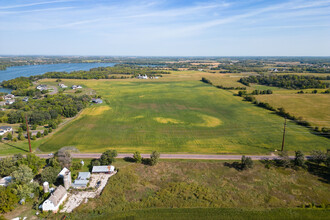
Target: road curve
[(174, 156)]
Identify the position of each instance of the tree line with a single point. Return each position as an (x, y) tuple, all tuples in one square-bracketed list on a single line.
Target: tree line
[(287, 81)]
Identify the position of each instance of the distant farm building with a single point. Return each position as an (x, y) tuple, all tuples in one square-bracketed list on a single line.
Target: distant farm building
[(76, 87), (42, 87), (5, 129), (9, 96), (55, 200), (82, 180), (61, 85), (103, 169), (97, 101), (142, 77)]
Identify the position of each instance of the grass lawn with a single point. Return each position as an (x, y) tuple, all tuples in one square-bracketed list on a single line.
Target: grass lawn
[(314, 108), (195, 189), (176, 116)]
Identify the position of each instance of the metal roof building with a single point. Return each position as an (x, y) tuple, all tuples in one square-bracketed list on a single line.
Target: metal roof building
[(103, 169)]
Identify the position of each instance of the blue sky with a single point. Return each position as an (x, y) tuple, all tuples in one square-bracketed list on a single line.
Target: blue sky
[(165, 27)]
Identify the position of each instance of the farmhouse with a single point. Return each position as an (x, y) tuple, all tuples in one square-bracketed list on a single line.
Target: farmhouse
[(82, 180), (9, 96), (142, 77), (62, 85), (5, 129), (103, 169), (5, 181), (10, 101), (76, 87), (42, 87), (97, 101), (55, 200)]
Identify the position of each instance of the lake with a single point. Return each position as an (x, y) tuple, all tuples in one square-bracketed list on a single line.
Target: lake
[(31, 70)]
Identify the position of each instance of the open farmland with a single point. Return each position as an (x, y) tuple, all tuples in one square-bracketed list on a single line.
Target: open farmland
[(217, 190), (176, 116), (314, 108)]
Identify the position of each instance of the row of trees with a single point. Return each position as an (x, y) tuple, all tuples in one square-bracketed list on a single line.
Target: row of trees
[(287, 81)]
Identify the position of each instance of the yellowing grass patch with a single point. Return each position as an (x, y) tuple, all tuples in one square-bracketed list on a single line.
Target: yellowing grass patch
[(167, 120), (97, 110), (209, 121)]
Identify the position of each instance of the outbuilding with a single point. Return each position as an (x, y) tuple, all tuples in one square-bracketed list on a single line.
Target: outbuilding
[(103, 169)]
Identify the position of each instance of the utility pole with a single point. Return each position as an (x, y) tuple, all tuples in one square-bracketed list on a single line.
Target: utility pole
[(283, 135), (28, 133)]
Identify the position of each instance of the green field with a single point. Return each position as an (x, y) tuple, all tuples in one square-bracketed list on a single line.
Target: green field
[(314, 108), (194, 189), (176, 116)]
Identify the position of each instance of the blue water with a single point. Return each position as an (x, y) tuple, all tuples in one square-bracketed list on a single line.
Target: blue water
[(31, 70)]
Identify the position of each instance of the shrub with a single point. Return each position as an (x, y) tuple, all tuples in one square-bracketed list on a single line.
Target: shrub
[(39, 134), (299, 160), (318, 156), (154, 158), (246, 163), (137, 157), (283, 160)]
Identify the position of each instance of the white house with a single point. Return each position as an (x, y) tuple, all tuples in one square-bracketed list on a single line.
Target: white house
[(5, 129), (103, 169), (62, 85), (42, 87), (142, 77), (76, 87), (10, 101), (9, 96), (5, 181), (55, 200)]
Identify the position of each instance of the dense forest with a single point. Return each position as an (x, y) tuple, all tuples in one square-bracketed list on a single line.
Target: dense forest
[(287, 81)]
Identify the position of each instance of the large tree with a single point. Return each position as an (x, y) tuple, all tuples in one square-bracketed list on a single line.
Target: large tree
[(22, 175), (7, 199), (64, 158), (49, 174), (108, 157)]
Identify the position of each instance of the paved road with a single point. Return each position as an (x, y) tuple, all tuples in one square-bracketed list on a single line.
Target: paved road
[(173, 156)]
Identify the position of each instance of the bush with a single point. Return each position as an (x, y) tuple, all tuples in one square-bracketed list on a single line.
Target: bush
[(45, 132), (9, 136), (299, 160), (246, 163), (137, 157), (318, 156), (154, 158), (39, 134), (283, 160)]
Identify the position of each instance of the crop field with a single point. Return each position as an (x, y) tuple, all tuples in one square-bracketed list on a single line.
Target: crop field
[(178, 117), (314, 108), (216, 189)]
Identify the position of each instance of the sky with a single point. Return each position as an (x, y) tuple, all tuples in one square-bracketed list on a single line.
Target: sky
[(165, 27)]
